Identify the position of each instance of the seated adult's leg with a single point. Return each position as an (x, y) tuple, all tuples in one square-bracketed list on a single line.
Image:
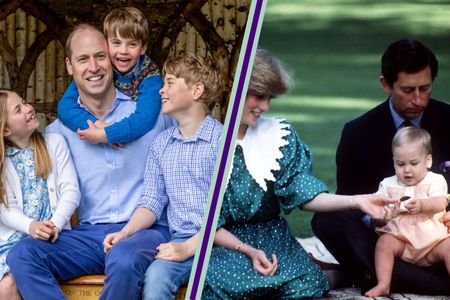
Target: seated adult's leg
[(164, 277), (38, 265), (349, 240), (128, 260)]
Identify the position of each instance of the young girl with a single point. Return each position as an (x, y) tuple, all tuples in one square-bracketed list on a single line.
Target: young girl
[(415, 234), (38, 188)]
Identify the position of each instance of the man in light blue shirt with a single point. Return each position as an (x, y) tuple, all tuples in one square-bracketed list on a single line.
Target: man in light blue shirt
[(110, 183)]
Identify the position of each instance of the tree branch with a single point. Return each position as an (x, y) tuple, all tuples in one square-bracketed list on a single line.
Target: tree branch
[(29, 61)]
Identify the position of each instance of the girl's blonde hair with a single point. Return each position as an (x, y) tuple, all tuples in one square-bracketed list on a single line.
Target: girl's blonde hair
[(41, 155)]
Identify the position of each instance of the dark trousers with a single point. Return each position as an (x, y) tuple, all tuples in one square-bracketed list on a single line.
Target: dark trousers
[(352, 243)]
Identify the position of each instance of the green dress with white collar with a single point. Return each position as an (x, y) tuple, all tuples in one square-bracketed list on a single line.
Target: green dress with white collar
[(271, 171)]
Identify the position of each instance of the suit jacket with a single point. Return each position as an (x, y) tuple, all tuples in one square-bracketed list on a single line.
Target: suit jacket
[(364, 155)]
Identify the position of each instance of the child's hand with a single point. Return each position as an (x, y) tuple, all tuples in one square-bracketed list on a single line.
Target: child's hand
[(262, 265), (173, 251), (414, 206), (55, 231), (101, 124), (113, 238), (42, 230), (93, 134)]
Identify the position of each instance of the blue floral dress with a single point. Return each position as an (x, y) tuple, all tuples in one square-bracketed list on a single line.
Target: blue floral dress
[(36, 202), (251, 211)]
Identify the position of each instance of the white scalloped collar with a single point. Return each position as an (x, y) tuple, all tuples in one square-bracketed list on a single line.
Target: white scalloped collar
[(261, 147)]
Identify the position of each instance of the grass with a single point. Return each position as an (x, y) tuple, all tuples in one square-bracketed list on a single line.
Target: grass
[(333, 48)]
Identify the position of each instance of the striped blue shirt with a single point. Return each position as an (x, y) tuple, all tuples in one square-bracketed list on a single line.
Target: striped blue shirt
[(178, 174)]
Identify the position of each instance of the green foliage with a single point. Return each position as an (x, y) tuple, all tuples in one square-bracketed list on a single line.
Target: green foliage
[(333, 48)]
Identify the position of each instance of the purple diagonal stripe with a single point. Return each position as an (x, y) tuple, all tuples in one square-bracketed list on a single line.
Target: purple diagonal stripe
[(226, 148)]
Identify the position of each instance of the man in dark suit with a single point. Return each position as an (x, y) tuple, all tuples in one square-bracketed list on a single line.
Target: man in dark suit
[(364, 158)]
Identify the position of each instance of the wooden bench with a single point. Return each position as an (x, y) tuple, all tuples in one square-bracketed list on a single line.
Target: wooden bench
[(89, 287)]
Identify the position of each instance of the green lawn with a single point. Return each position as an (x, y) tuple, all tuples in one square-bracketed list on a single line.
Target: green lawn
[(333, 49)]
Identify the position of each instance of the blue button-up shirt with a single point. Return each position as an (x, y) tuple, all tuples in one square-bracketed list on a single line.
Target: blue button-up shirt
[(398, 120), (110, 179), (178, 174)]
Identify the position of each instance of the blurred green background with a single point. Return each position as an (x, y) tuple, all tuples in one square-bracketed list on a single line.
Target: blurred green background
[(333, 49)]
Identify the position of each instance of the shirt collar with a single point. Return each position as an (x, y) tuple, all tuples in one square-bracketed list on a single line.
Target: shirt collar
[(203, 132), (119, 97), (398, 120), (132, 73)]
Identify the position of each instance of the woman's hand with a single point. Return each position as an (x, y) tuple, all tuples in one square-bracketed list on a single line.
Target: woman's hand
[(173, 251), (377, 206), (262, 265)]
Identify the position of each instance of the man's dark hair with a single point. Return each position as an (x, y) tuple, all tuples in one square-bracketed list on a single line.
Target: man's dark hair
[(409, 56)]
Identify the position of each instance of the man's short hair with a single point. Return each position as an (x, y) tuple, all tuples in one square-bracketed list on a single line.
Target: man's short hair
[(128, 22), (79, 27), (409, 56), (193, 68)]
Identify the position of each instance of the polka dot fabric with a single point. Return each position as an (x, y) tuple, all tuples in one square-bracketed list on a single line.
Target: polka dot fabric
[(254, 217)]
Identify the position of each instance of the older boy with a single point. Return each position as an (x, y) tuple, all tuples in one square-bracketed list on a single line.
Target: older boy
[(178, 173), (135, 75)]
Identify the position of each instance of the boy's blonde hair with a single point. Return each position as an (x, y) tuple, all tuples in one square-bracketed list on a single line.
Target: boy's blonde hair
[(128, 22), (193, 68), (42, 157), (411, 134)]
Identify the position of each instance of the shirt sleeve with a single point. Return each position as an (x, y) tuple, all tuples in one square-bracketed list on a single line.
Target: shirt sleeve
[(140, 122), (438, 187), (154, 196), (295, 184), (70, 113), (67, 182)]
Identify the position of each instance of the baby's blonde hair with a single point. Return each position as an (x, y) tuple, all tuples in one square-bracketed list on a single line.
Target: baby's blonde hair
[(412, 134), (42, 157)]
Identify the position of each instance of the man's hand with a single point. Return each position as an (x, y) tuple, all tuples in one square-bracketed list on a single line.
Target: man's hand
[(112, 239), (446, 220), (93, 134)]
